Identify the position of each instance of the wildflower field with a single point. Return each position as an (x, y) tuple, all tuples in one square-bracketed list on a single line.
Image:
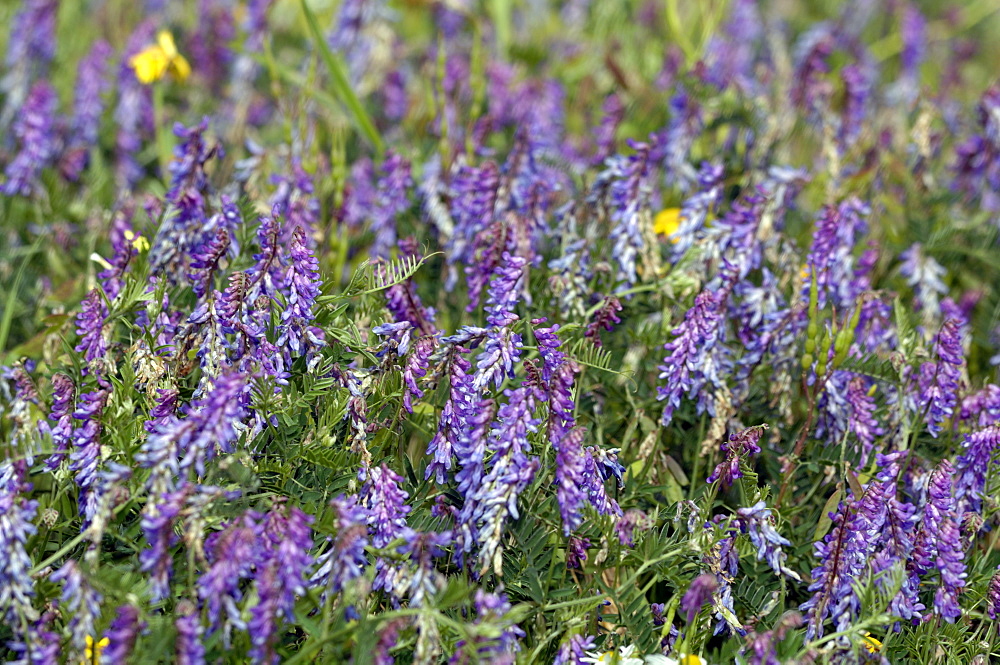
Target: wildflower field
[(499, 331)]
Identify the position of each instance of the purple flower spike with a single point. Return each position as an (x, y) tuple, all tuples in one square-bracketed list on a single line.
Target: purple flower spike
[(606, 317), (939, 383), (37, 140), (574, 651), (279, 579), (740, 447), (62, 413), (90, 328), (345, 559), (938, 544), (686, 370), (16, 585), (973, 465), (190, 650), (993, 596), (699, 593), (387, 510), (302, 278), (122, 634), (391, 201), (92, 84)]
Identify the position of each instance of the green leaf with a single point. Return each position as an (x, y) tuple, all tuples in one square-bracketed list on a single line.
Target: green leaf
[(341, 84)]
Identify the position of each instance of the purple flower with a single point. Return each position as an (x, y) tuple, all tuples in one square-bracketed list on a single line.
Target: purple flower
[(558, 375), (604, 142), (993, 596), (680, 134), (302, 278), (758, 523), (158, 528), (39, 642), (857, 530), (30, 50), (16, 512), (386, 508), (91, 85), (763, 646), (605, 317), (294, 197), (391, 201), (122, 633), (205, 262), (232, 554), (416, 368), (978, 158), (487, 507), (628, 180), (134, 111), (189, 649), (37, 140), (697, 207), (626, 525), (740, 447), (923, 274), (574, 651), (453, 434), (576, 552), (938, 383), (266, 276), (279, 579), (699, 593), (86, 455), (473, 199), (858, 82), (938, 543), (492, 609), (974, 464), (209, 45), (811, 90), (180, 231), (345, 559), (62, 414), (593, 483), (830, 258), (79, 601), (387, 640), (982, 408), (502, 347), (689, 367), (90, 328), (402, 299), (912, 28), (862, 419), (124, 251)]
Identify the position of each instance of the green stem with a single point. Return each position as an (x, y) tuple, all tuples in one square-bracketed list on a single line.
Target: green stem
[(164, 137)]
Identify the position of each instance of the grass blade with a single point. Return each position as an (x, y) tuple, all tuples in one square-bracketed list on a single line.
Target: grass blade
[(341, 84)]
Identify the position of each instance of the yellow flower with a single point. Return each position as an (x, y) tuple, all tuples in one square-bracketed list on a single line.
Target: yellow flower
[(153, 62), (667, 222), (871, 643), (138, 242), (92, 654)]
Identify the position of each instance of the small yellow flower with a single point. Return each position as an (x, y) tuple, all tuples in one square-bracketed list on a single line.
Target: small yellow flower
[(692, 660), (92, 654), (667, 222), (138, 242), (871, 643), (153, 62)]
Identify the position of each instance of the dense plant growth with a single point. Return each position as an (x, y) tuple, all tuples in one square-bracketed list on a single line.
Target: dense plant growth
[(373, 332)]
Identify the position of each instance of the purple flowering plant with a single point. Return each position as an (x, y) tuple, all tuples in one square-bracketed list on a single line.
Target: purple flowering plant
[(508, 332)]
